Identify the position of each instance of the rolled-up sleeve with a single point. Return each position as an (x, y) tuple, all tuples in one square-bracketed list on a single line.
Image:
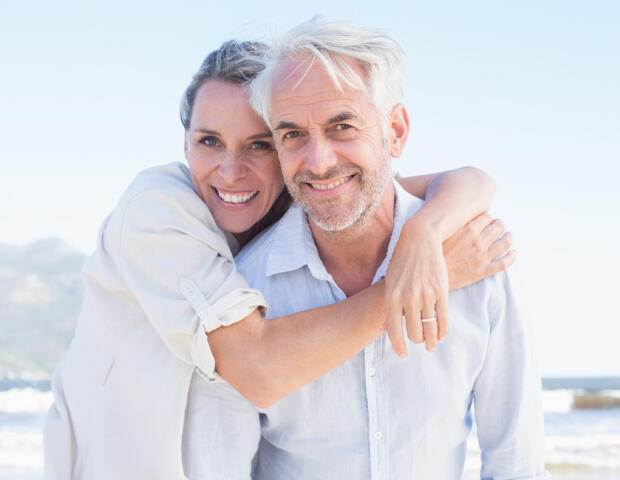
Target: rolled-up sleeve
[(178, 264)]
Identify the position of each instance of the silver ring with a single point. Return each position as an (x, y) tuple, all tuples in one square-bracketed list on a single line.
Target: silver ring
[(429, 319)]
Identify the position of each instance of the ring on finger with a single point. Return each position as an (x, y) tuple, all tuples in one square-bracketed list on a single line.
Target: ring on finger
[(429, 319)]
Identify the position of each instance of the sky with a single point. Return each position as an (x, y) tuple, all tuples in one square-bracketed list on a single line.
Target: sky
[(528, 91)]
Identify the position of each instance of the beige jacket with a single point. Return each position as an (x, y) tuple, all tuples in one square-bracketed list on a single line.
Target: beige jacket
[(162, 275)]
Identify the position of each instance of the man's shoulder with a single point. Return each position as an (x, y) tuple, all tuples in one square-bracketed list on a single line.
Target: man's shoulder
[(280, 248), (501, 297), (258, 248)]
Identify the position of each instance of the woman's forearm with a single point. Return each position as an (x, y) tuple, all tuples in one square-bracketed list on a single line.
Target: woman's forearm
[(452, 198), (417, 278), (265, 360)]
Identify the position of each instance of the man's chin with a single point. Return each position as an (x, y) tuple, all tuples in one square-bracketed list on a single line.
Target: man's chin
[(334, 221)]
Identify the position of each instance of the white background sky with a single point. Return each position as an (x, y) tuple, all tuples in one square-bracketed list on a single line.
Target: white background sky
[(529, 91)]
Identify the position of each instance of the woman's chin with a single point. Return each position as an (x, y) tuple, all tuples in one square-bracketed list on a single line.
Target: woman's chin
[(236, 226)]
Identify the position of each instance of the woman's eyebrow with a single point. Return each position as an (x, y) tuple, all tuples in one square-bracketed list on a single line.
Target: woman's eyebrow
[(260, 135), (207, 131)]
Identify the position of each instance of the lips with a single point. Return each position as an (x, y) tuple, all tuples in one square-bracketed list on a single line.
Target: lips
[(329, 186), (235, 198)]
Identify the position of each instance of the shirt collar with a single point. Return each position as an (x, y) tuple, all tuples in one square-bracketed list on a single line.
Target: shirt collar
[(293, 246), (406, 205)]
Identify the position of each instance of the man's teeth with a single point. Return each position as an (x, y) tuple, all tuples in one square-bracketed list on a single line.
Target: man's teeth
[(230, 198), (329, 185)]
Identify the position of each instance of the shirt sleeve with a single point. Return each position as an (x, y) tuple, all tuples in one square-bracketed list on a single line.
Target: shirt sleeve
[(177, 263), (507, 392)]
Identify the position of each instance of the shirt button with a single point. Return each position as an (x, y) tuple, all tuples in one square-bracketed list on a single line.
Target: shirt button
[(378, 435), (371, 372)]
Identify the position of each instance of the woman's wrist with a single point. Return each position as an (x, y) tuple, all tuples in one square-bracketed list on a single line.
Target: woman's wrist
[(428, 222)]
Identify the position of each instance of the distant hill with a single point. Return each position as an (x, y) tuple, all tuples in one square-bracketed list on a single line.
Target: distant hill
[(40, 295)]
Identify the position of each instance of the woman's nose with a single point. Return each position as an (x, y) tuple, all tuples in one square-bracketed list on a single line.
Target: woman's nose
[(232, 167)]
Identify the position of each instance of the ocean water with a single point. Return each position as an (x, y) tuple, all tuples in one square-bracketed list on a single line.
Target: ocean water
[(582, 429)]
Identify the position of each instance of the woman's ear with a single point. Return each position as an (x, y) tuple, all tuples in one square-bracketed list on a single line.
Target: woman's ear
[(186, 144)]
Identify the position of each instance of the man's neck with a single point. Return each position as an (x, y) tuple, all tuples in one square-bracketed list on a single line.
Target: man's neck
[(352, 256)]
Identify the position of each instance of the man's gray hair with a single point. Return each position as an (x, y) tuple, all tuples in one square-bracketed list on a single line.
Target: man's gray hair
[(380, 58), (235, 62)]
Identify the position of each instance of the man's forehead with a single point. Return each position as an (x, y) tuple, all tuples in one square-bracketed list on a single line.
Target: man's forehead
[(309, 73), (304, 83)]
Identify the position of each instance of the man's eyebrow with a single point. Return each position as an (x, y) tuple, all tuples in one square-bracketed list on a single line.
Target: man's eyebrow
[(284, 125), (256, 136), (342, 117)]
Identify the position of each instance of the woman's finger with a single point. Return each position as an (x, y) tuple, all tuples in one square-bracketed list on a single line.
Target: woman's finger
[(492, 232), (443, 318), (429, 325), (501, 263), (412, 320), (394, 327), (500, 246), (479, 223)]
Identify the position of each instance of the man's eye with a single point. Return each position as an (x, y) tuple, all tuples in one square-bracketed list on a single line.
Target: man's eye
[(209, 141), (292, 134), (342, 126)]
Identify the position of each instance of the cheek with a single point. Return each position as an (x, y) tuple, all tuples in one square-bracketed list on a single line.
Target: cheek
[(270, 171), (201, 167), (274, 179), (288, 165)]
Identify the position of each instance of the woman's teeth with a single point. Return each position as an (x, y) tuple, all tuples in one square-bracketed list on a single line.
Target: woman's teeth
[(330, 185), (232, 198)]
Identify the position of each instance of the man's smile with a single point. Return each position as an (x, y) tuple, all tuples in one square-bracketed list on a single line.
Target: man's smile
[(329, 186)]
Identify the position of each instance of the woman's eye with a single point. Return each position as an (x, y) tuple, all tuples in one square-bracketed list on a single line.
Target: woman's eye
[(209, 141), (261, 146)]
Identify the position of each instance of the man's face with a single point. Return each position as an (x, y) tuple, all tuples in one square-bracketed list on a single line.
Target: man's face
[(334, 159)]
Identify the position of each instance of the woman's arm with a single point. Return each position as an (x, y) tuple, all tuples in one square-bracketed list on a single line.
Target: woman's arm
[(175, 262), (266, 360), (417, 278)]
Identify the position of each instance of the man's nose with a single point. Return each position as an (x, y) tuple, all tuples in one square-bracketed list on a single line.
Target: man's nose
[(320, 155), (232, 167)]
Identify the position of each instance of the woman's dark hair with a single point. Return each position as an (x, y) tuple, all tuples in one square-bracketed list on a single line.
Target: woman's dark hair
[(236, 62)]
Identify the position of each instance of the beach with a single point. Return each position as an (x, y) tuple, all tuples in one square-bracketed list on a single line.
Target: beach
[(582, 429)]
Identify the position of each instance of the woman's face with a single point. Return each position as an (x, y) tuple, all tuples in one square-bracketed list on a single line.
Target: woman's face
[(231, 156)]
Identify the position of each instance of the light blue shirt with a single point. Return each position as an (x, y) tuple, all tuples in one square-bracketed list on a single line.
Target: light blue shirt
[(380, 417)]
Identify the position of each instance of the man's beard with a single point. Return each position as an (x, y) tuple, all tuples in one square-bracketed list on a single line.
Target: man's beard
[(361, 207)]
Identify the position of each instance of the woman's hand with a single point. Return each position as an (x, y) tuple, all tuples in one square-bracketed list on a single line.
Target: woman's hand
[(416, 288), (422, 270), (478, 250)]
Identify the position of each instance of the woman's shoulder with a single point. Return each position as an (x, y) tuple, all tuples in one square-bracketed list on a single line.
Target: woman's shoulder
[(164, 188), (169, 177), (162, 198)]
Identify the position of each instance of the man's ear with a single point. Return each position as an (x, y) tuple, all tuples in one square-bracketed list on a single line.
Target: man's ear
[(398, 130), (186, 145)]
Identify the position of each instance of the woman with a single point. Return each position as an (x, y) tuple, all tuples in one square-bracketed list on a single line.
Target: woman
[(163, 275)]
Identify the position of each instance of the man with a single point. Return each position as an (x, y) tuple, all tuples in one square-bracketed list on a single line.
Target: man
[(331, 95)]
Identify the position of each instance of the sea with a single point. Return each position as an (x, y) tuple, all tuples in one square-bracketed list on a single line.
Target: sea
[(582, 429)]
